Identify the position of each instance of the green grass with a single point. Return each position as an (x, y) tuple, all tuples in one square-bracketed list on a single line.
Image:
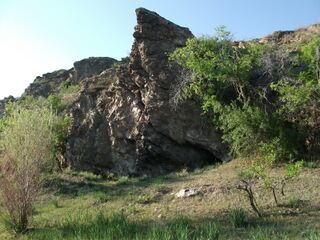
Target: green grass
[(85, 225), (87, 206), (273, 233), (238, 217)]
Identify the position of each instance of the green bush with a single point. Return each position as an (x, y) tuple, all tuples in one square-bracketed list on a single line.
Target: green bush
[(237, 86), (26, 143), (240, 106), (56, 103)]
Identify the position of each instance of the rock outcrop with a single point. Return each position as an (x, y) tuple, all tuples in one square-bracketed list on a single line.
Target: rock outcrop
[(292, 38), (49, 83), (90, 67), (122, 120)]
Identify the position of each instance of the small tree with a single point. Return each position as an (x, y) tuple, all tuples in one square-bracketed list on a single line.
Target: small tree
[(26, 144), (247, 182)]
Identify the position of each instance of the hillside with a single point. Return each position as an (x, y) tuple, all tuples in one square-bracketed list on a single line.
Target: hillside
[(73, 202)]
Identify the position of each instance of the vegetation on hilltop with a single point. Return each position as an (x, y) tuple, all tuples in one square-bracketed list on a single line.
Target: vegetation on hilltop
[(262, 97)]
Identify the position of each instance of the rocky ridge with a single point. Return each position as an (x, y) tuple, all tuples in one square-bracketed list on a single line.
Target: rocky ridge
[(49, 83)]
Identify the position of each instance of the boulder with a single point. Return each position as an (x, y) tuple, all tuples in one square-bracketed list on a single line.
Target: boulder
[(188, 192)]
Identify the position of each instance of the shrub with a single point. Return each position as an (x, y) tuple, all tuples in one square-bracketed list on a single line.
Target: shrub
[(247, 182), (56, 103), (26, 144), (240, 85), (60, 134), (264, 100)]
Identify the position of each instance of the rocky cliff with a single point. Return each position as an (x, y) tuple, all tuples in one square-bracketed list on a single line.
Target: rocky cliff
[(122, 120)]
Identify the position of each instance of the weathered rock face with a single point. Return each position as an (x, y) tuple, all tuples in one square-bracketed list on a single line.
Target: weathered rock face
[(293, 38), (91, 66), (122, 120), (49, 83)]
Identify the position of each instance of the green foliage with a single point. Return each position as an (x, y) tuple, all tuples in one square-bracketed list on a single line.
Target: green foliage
[(60, 134), (59, 127), (3, 124), (293, 169), (221, 66), (56, 103), (299, 93), (244, 106), (308, 56), (25, 144), (247, 175), (294, 96), (260, 233), (89, 176), (70, 90), (65, 85), (240, 126), (271, 151)]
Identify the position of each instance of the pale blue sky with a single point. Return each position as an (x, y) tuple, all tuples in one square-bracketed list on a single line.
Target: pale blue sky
[(39, 36)]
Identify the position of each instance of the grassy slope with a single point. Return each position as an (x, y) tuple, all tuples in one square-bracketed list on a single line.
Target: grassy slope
[(78, 206)]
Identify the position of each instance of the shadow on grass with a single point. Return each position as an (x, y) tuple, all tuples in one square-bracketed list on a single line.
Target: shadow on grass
[(66, 185)]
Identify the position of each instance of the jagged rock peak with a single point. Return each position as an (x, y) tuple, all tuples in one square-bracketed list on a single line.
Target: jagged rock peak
[(152, 26)]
